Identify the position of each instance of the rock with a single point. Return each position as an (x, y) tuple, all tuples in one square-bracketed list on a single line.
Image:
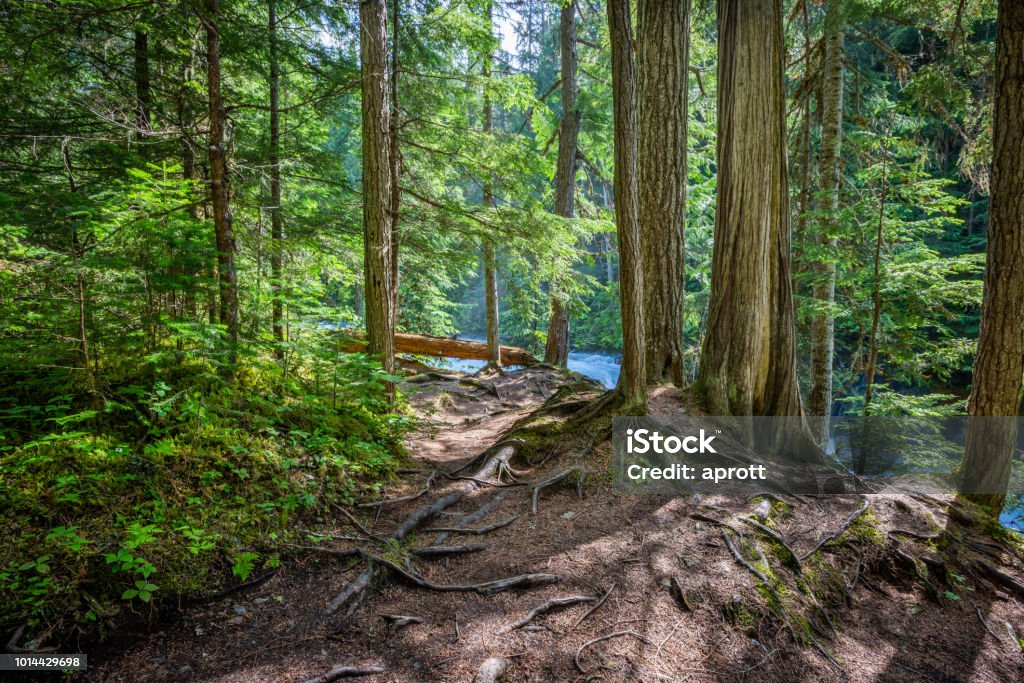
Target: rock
[(568, 515), (236, 621), (239, 610), (185, 669)]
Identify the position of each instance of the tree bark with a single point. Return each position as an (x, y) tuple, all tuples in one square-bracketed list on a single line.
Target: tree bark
[(819, 397), (220, 192), (999, 364), (633, 376), (556, 351), (276, 222), (748, 363), (377, 188), (663, 29)]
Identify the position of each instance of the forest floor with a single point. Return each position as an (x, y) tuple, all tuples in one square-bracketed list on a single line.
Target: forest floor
[(897, 595)]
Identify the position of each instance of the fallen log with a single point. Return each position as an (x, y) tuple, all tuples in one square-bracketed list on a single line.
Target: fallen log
[(425, 345)]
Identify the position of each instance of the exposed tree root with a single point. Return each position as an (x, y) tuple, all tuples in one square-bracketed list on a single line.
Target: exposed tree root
[(484, 588), (345, 672), (474, 517), (1001, 578), (838, 532), (617, 634), (479, 531), (548, 482), (544, 608), (595, 606), (402, 499), (446, 550), (396, 622), (775, 536)]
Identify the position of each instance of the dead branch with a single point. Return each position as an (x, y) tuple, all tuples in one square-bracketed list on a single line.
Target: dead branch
[(548, 482), (345, 672), (595, 606), (599, 639), (544, 608), (355, 522), (838, 532)]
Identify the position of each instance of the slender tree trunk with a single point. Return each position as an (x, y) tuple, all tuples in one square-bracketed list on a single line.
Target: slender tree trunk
[(876, 307), (143, 92), (663, 30), (633, 376), (276, 220), (819, 397), (377, 196), (748, 363), (490, 260), (557, 349), (999, 364), (219, 189)]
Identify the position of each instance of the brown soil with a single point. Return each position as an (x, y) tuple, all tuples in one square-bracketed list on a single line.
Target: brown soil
[(887, 625)]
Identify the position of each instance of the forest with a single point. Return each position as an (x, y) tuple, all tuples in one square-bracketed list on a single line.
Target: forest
[(320, 321)]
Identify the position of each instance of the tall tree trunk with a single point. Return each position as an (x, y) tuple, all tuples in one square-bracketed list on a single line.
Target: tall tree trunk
[(663, 30), (557, 349), (143, 92), (633, 376), (490, 260), (819, 397), (276, 222), (748, 363), (377, 243), (396, 161), (220, 191), (999, 364)]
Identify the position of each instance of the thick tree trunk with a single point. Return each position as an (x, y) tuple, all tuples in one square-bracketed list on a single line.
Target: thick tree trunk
[(276, 222), (819, 397), (220, 192), (443, 347), (556, 351), (377, 197), (490, 260), (143, 91), (663, 30), (748, 363), (633, 376), (999, 365)]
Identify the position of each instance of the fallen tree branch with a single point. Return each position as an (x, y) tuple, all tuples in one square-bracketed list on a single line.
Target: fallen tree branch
[(838, 532), (544, 608)]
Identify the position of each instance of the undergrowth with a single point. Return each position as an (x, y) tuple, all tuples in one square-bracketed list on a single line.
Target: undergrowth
[(128, 497)]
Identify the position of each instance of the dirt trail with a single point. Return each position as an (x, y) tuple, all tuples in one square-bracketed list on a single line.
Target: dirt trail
[(679, 605)]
